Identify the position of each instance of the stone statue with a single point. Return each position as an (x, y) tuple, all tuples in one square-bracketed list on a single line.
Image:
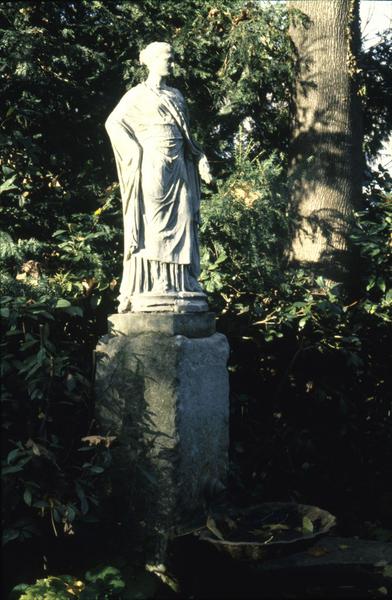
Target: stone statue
[(159, 169)]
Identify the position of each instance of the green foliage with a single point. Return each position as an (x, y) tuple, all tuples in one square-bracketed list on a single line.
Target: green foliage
[(372, 236), (52, 299), (231, 57), (311, 382), (376, 73), (244, 231), (49, 476), (100, 584)]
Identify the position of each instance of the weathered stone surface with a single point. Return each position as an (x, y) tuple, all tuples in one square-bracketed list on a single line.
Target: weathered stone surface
[(192, 325), (165, 398), (332, 553), (172, 302), (159, 168), (333, 567)]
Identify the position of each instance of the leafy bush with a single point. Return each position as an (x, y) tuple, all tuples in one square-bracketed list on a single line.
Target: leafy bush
[(47, 410), (100, 584), (311, 410), (53, 307), (244, 232)]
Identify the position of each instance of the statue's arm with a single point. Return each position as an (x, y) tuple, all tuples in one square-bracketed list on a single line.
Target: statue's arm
[(119, 128), (128, 155), (204, 169), (199, 156)]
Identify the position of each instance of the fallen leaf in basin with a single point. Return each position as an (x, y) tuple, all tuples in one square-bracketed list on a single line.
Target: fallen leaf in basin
[(307, 525), (276, 527), (318, 551), (232, 524), (211, 525)]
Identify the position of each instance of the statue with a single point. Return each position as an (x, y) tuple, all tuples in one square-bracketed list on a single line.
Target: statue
[(159, 169)]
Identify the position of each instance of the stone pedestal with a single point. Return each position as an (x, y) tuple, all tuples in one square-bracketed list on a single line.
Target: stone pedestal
[(177, 302), (162, 390)]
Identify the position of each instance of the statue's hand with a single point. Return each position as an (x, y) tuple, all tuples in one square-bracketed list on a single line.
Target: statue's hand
[(204, 169)]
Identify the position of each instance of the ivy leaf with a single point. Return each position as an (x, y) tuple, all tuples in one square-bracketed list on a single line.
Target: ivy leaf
[(5, 312), (27, 496), (62, 303), (8, 185), (9, 535), (82, 497), (307, 525), (318, 551), (11, 469), (96, 469), (302, 322), (74, 311)]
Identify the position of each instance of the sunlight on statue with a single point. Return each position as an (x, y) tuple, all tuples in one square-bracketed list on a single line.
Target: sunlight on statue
[(159, 169)]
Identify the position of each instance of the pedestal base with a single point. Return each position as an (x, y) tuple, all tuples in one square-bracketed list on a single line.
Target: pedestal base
[(192, 325), (177, 302), (162, 390)]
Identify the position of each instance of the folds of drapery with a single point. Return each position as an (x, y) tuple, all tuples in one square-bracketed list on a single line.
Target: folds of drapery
[(126, 127), (128, 155), (143, 275)]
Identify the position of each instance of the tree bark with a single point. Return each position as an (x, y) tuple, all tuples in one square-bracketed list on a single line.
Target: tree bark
[(326, 156)]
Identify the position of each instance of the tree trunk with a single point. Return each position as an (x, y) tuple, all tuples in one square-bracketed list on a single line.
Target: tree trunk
[(326, 155)]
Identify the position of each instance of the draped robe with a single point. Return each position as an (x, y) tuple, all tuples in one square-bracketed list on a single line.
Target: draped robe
[(156, 161)]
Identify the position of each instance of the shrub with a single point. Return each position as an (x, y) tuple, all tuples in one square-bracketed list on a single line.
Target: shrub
[(99, 584)]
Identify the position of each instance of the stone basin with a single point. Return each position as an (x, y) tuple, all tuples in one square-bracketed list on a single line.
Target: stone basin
[(266, 530)]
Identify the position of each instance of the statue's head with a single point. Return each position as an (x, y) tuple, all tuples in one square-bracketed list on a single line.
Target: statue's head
[(158, 58)]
